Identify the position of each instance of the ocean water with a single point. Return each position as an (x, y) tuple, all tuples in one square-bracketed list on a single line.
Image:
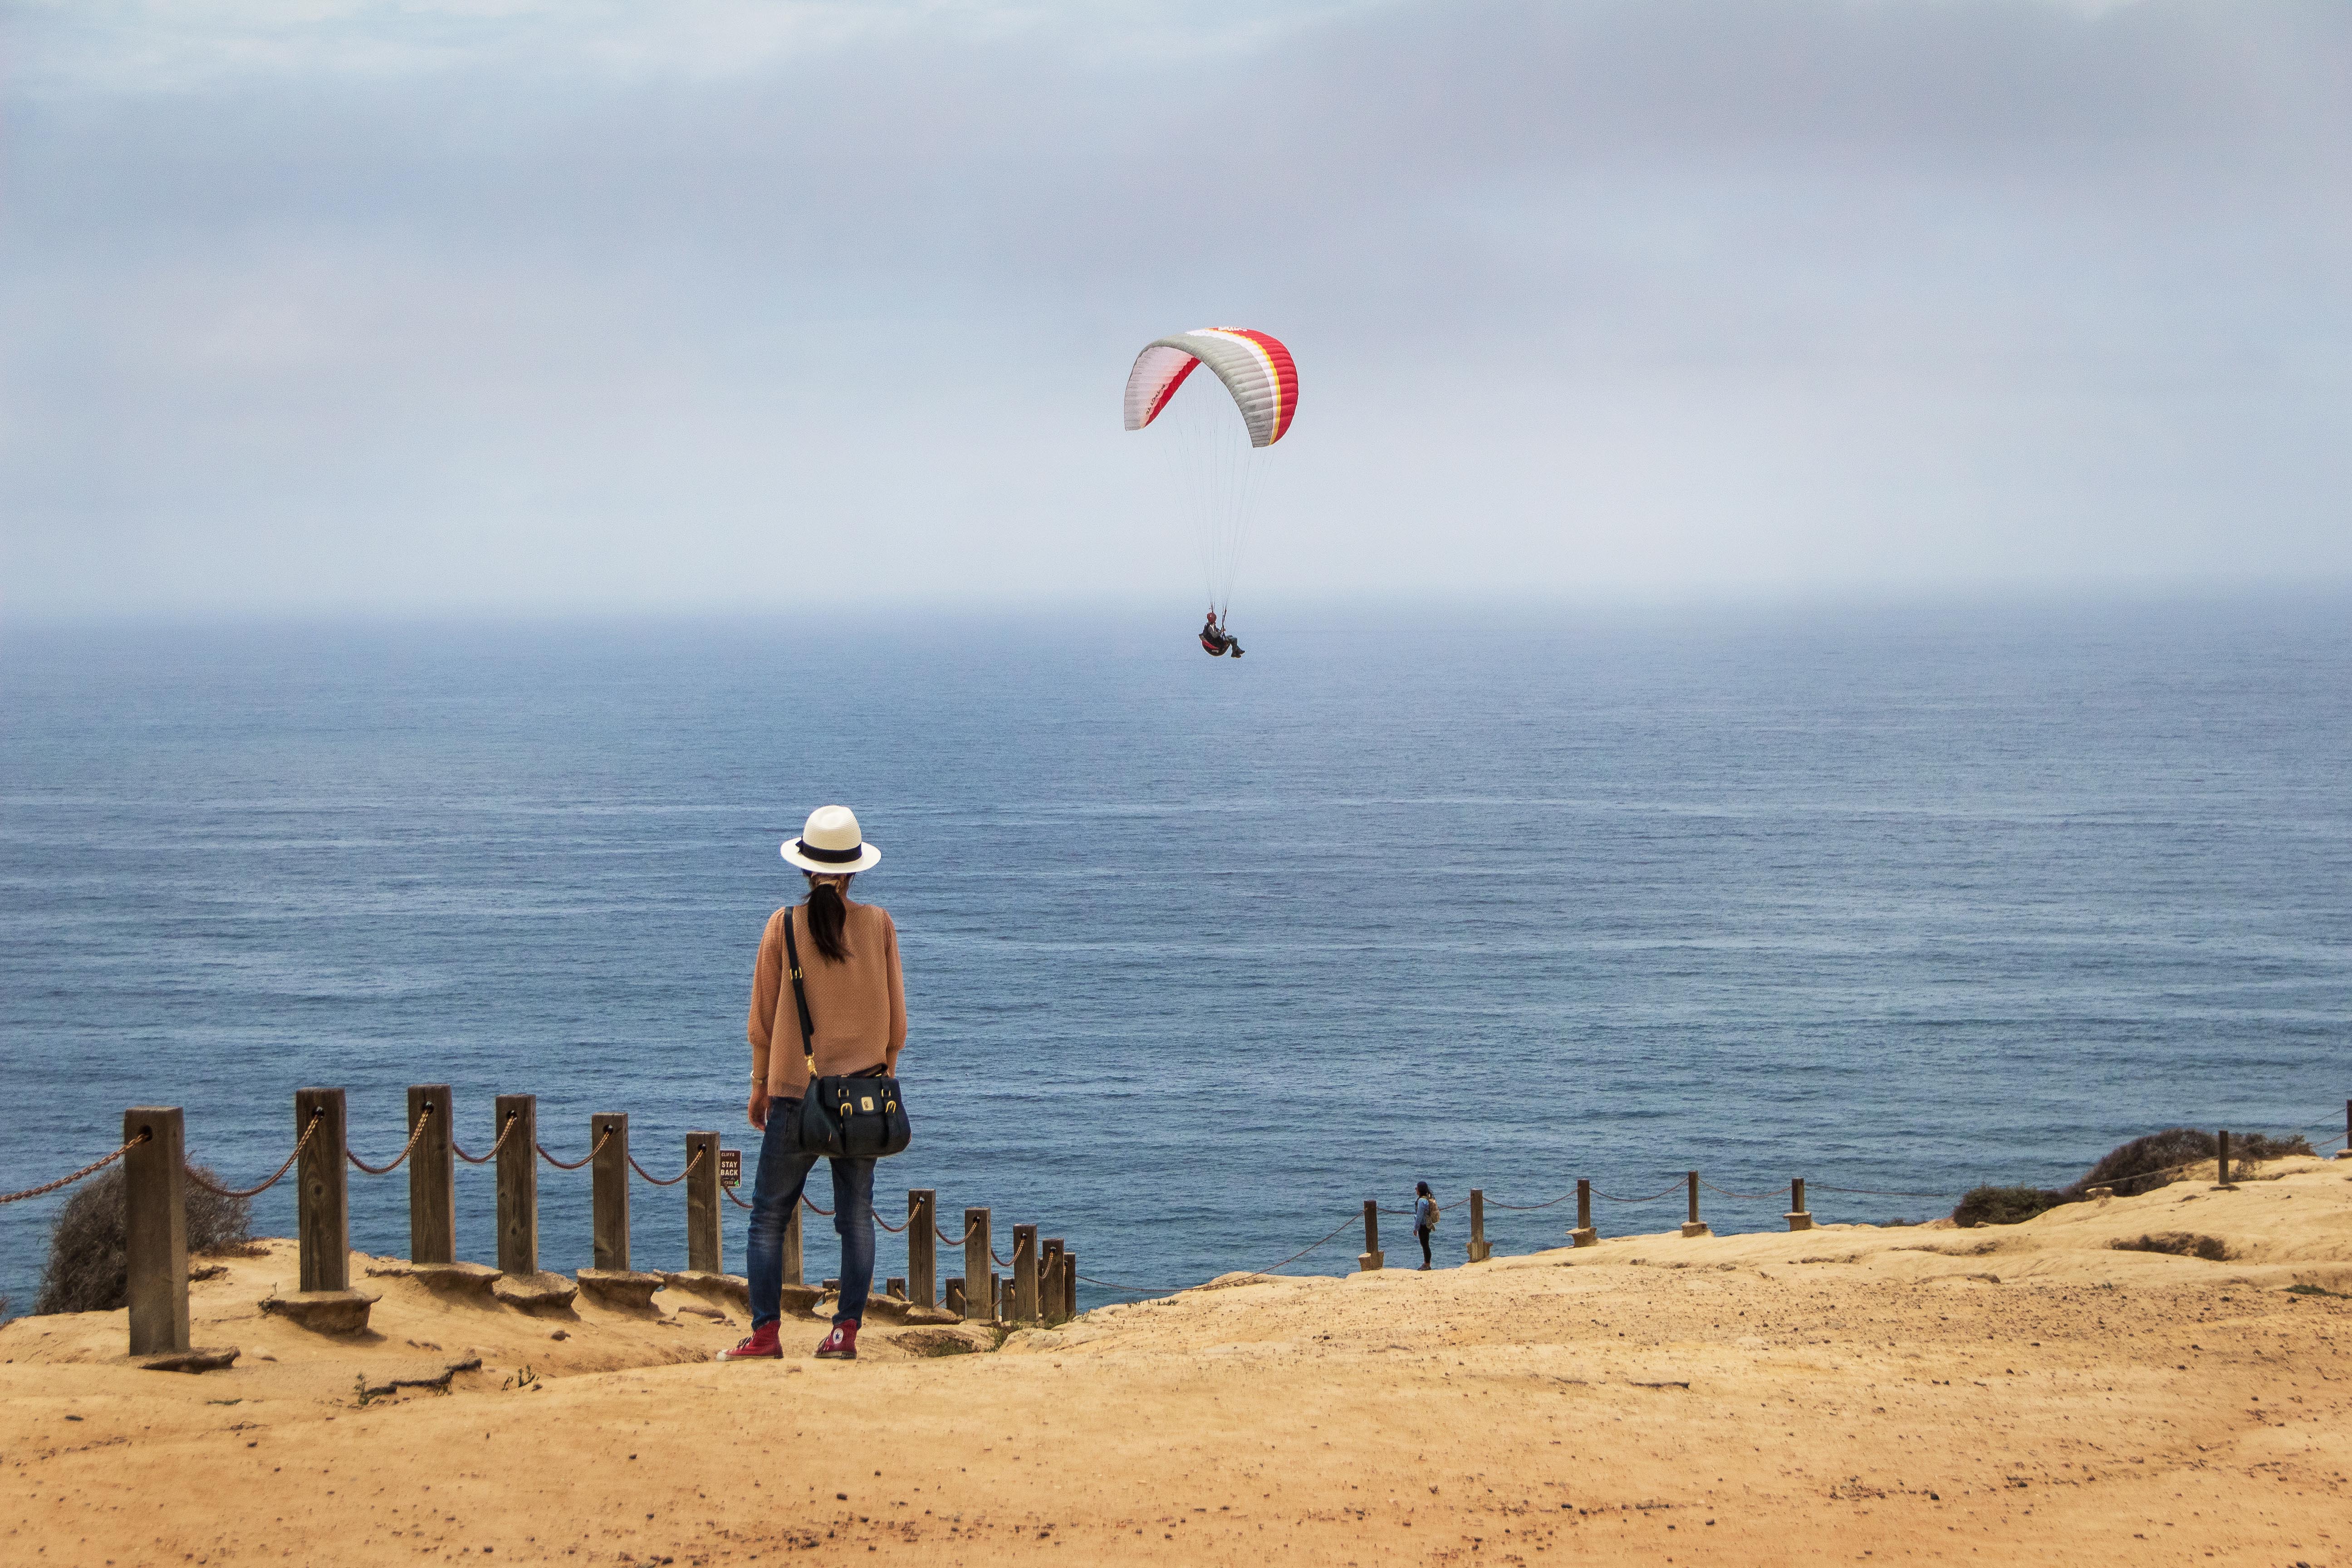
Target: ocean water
[(1199, 956)]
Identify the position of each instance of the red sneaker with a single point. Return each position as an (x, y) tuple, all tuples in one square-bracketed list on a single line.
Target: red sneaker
[(760, 1346), (841, 1343)]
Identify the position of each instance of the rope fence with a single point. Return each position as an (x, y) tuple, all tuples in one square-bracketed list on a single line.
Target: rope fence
[(1746, 1197), (673, 1181), (308, 1132), (1045, 1272), (564, 1165), (1665, 1192), (1530, 1208), (514, 1120), (406, 1150), (66, 1181)]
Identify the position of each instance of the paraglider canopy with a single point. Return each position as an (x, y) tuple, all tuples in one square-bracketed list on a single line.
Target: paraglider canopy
[(1212, 440), (1255, 367)]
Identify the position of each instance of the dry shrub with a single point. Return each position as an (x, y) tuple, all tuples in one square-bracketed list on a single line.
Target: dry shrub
[(2139, 1166), (2179, 1244), (2136, 1167), (2251, 1149), (2147, 1164), (87, 1268), (2004, 1205)]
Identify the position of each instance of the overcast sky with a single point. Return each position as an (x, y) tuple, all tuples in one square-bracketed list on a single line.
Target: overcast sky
[(330, 304)]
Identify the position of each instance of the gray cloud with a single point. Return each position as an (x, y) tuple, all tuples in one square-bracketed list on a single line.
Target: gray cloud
[(519, 308)]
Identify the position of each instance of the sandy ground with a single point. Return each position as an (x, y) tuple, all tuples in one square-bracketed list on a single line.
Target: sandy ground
[(2021, 1395)]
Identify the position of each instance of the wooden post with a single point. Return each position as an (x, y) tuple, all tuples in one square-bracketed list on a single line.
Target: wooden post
[(608, 1189), (2345, 1152), (156, 1229), (955, 1300), (995, 1297), (792, 1245), (1584, 1235), (977, 1304), (431, 1178), (894, 1286), (1797, 1217), (519, 1184), (2221, 1166), (1694, 1227), (1369, 1258), (1049, 1279), (702, 1201), (922, 1245), (1479, 1250), (322, 1218), (1070, 1274), (1024, 1274)]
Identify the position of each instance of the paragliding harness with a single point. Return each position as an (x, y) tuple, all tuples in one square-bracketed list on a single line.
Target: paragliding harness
[(855, 1118), (1215, 641)]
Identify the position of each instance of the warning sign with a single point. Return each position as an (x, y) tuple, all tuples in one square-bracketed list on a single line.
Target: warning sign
[(730, 1167)]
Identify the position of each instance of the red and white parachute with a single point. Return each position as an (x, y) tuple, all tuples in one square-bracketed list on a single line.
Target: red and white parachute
[(1211, 442)]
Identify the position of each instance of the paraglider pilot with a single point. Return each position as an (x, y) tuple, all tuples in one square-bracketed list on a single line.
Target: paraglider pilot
[(1215, 640)]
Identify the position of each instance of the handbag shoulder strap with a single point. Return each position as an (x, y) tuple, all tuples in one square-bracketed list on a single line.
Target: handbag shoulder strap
[(800, 996)]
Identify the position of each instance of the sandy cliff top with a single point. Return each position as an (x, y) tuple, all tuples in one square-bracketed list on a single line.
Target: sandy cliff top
[(2026, 1393)]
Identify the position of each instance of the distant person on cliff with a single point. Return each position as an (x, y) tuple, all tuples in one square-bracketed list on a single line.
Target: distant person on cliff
[(1425, 1218), (849, 967)]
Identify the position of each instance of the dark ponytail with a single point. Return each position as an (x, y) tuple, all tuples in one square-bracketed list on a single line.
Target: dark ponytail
[(827, 910)]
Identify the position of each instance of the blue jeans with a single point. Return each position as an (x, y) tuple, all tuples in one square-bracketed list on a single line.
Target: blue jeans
[(783, 1172)]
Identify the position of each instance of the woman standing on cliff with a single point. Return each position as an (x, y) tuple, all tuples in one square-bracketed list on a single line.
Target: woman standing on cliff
[(857, 1004), (1425, 1218)]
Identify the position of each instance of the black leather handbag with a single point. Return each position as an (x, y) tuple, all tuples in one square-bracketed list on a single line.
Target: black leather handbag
[(860, 1118)]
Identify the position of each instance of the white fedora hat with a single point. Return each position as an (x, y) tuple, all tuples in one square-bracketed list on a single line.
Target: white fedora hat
[(830, 842)]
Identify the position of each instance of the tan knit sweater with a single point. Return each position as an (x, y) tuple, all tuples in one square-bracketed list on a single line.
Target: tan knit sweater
[(859, 1005)]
